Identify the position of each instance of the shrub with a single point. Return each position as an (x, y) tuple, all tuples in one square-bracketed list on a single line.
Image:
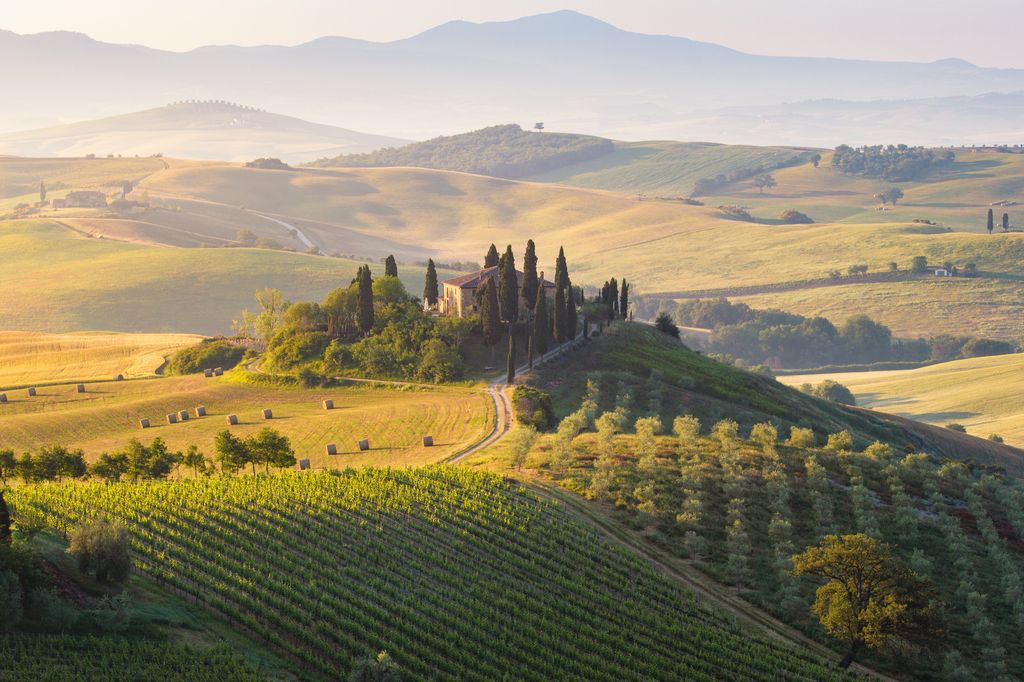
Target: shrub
[(834, 391), (533, 408), (101, 548), (51, 613), (800, 437), (956, 427), (840, 442), (208, 354), (11, 601), (379, 668), (440, 362), (976, 348), (736, 213), (664, 324), (995, 438), (791, 217), (294, 349)]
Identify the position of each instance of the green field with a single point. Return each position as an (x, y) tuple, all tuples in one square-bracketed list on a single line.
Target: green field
[(458, 575), (983, 394), (395, 419), (38, 358)]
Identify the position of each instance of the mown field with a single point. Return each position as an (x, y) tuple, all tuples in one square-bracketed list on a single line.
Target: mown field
[(39, 358), (457, 574), (983, 394), (394, 419)]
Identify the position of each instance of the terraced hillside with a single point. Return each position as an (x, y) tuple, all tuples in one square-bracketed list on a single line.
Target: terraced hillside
[(458, 575)]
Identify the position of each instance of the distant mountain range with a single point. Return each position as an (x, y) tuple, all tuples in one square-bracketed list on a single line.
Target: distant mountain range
[(199, 130), (571, 71)]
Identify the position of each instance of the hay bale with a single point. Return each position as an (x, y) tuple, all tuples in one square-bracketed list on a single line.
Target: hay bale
[(328, 404), (3, 397), (172, 418), (428, 441), (183, 415), (207, 373), (332, 449), (364, 444), (80, 388), (303, 464), (31, 393), (119, 377), (144, 423), (200, 411), (217, 371), (267, 413), (232, 419)]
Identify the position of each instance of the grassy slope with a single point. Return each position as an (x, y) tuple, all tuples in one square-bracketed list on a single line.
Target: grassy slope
[(394, 419), (28, 358), (56, 280), (665, 168), (693, 384), (980, 393)]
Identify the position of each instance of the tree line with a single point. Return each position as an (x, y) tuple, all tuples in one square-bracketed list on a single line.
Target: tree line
[(895, 163)]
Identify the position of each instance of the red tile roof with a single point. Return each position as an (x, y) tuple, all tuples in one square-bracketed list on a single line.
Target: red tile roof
[(476, 279)]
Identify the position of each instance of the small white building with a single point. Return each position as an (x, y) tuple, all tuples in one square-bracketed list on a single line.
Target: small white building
[(942, 272)]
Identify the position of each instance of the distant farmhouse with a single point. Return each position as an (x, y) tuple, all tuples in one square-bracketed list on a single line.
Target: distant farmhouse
[(82, 199), (458, 298)]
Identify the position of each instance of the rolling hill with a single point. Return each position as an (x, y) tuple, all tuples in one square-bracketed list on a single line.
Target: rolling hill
[(196, 130), (574, 71)]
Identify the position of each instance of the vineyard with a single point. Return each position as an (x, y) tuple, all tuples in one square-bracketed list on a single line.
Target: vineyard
[(739, 508), (457, 574), (66, 658)]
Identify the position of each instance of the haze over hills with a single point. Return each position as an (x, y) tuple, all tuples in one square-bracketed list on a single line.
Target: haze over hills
[(572, 71), (199, 130)]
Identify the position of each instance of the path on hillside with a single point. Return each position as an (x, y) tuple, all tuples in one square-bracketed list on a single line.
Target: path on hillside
[(299, 234)]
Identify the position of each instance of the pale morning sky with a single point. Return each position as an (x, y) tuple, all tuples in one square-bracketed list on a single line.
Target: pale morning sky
[(981, 31)]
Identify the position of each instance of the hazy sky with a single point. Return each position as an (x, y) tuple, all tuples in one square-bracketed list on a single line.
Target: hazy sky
[(981, 31)]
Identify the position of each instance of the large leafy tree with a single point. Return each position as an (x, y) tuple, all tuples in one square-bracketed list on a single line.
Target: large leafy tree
[(365, 300), (390, 267), (491, 259), (530, 280), (232, 452), (508, 286), (870, 599), (430, 287), (271, 449)]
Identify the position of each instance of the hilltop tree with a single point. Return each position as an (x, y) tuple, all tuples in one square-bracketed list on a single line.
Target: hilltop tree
[(765, 180), (816, 160), (624, 300), (508, 286), (490, 317), (541, 325), (895, 194), (559, 326), (991, 223), (538, 126), (1006, 222), (665, 324), (365, 300), (530, 280), (42, 191), (491, 259), (430, 287), (870, 598), (390, 267)]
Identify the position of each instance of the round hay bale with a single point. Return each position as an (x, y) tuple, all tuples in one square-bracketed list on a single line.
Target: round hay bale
[(328, 404), (172, 418), (144, 423), (183, 415), (232, 419), (31, 393), (303, 464), (332, 449), (3, 397), (119, 377), (80, 388), (364, 444), (207, 373), (200, 411), (267, 413), (218, 372), (428, 441)]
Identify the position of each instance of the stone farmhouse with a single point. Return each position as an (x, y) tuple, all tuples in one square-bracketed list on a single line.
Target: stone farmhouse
[(458, 296), (82, 199)]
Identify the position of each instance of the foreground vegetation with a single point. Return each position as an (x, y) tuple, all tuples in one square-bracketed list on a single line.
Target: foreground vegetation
[(255, 549)]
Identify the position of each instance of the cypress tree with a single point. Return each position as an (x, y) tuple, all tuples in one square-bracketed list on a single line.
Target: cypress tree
[(613, 299), (624, 300), (571, 319), (530, 281), (491, 259), (586, 328), (365, 300), (508, 288), (559, 326), (390, 267), (430, 288), (529, 351), (561, 271), (5, 522), (1006, 222), (541, 328), (510, 364), (490, 321), (991, 221), (42, 191)]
